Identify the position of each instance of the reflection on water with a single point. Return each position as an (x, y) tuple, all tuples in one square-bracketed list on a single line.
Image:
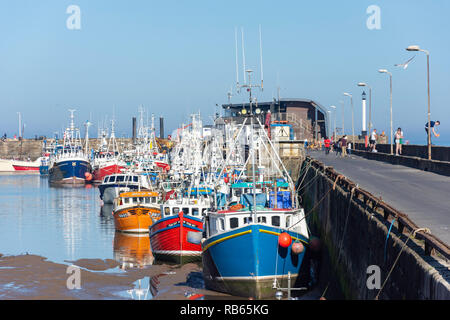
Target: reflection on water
[(132, 250), (60, 223)]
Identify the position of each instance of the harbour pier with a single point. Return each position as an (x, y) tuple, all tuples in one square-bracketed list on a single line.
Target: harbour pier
[(371, 214)]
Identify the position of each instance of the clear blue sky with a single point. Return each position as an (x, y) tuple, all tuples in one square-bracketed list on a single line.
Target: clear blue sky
[(177, 57)]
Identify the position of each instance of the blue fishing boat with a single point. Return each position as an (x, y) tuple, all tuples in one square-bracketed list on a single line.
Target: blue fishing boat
[(256, 237), (70, 164)]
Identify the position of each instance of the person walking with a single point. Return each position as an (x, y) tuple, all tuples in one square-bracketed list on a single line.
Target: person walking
[(344, 146), (433, 125), (373, 140), (398, 139), (349, 148), (326, 143)]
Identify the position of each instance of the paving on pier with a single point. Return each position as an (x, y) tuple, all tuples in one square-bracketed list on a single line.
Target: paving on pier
[(423, 196)]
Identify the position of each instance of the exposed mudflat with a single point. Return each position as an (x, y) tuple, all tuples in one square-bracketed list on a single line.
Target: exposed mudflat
[(34, 277)]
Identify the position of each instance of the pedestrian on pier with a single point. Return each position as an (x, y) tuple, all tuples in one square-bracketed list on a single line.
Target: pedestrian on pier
[(373, 140), (398, 141), (433, 125), (344, 146), (327, 143)]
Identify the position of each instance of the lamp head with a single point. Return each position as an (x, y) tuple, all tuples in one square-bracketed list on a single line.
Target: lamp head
[(362, 84), (347, 94), (382, 71), (413, 48)]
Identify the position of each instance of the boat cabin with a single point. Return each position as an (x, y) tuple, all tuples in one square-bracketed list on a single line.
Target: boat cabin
[(227, 220)]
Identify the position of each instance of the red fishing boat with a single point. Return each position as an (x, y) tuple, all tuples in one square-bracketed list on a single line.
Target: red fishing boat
[(106, 168), (19, 165), (177, 235)]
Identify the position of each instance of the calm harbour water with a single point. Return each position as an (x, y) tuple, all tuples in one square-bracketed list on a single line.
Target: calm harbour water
[(59, 223)]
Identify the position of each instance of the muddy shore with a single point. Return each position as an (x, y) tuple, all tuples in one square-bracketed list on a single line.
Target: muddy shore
[(34, 277)]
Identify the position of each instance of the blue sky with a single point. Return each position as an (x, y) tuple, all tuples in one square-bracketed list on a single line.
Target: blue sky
[(178, 57)]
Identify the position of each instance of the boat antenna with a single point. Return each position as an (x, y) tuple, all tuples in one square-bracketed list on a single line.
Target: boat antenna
[(243, 54), (261, 58), (237, 60)]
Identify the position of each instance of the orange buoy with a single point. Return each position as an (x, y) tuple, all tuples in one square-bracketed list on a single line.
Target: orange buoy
[(297, 248), (284, 240), (88, 176)]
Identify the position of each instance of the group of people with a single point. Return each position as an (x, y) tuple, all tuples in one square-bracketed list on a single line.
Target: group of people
[(398, 141), (341, 147)]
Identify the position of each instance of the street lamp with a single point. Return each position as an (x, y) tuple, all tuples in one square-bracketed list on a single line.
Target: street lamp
[(390, 77), (334, 129), (363, 84), (353, 124), (417, 48)]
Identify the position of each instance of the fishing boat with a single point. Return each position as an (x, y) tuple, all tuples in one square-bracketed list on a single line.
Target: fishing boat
[(257, 240), (176, 236), (70, 164), (135, 212), (29, 166), (107, 159), (112, 185)]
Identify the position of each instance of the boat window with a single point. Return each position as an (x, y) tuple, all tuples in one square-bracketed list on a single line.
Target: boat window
[(221, 224), (135, 200), (135, 179), (120, 178), (288, 221), (262, 220), (186, 210), (195, 211), (234, 223), (127, 178), (175, 210), (204, 212), (112, 179), (248, 220), (276, 221), (154, 200), (126, 200), (141, 200), (147, 200), (167, 211)]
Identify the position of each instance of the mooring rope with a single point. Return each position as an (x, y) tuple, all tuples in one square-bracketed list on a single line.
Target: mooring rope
[(413, 233)]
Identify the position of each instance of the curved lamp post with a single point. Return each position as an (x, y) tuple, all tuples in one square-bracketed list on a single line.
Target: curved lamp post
[(353, 124), (390, 77), (417, 48)]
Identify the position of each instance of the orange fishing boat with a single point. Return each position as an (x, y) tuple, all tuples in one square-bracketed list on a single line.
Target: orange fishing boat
[(136, 211)]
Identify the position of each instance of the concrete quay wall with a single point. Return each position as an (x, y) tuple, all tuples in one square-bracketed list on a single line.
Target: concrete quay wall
[(15, 149), (438, 153), (353, 230), (436, 166)]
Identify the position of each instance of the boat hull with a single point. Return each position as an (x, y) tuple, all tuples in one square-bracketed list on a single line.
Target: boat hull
[(100, 173), (69, 171), (177, 239), (244, 262), (134, 219)]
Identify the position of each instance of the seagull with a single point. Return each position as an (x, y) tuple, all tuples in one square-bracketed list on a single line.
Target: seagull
[(404, 65)]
